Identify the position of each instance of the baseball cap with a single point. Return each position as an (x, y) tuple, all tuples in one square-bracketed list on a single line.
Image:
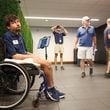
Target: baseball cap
[(85, 18)]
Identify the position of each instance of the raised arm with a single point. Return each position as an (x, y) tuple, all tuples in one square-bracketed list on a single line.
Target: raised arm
[(65, 30), (54, 28)]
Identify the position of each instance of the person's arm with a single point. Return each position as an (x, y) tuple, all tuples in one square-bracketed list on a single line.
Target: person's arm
[(9, 45), (22, 56), (106, 38), (75, 42), (94, 42), (94, 38), (76, 39), (64, 30), (53, 28), (108, 33)]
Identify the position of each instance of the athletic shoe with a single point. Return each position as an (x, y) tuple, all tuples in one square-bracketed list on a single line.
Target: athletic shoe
[(91, 71), (62, 68), (52, 94), (56, 68), (107, 75), (83, 74), (61, 95)]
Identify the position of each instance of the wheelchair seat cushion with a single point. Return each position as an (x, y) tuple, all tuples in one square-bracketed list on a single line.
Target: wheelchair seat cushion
[(25, 61)]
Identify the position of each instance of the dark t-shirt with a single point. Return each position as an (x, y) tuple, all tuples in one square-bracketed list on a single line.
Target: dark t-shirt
[(106, 40), (14, 44), (58, 37)]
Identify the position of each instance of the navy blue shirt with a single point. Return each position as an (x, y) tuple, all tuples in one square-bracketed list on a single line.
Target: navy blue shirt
[(58, 37), (14, 44), (106, 40), (85, 36)]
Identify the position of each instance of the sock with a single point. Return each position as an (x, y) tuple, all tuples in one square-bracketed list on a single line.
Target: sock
[(50, 87), (91, 67)]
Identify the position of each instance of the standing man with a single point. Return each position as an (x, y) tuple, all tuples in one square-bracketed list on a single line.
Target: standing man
[(107, 45), (15, 49), (59, 32), (86, 39)]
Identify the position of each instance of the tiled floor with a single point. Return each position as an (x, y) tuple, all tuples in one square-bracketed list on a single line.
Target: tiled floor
[(89, 93)]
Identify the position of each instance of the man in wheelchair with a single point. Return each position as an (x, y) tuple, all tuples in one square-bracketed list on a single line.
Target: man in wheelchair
[(15, 49)]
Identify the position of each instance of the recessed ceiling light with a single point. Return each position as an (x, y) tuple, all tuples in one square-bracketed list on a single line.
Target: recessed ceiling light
[(57, 18)]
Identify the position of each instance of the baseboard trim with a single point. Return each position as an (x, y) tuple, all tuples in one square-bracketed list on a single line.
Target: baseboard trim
[(66, 62)]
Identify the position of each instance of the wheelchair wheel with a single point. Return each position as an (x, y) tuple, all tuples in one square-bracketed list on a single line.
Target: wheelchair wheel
[(14, 85), (32, 72)]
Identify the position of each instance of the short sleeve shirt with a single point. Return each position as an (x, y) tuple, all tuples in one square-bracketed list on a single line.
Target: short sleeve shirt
[(14, 44), (85, 36), (106, 40), (58, 37)]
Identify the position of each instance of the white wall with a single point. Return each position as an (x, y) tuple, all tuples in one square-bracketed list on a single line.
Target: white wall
[(38, 32)]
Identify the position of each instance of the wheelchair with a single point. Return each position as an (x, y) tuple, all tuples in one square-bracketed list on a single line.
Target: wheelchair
[(16, 79)]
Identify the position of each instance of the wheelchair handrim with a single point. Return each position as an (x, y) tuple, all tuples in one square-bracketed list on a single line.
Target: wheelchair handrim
[(26, 89)]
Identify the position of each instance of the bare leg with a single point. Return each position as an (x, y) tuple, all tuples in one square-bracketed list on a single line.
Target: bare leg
[(82, 65), (61, 61), (49, 73), (108, 67), (90, 63), (91, 66), (47, 67), (55, 59)]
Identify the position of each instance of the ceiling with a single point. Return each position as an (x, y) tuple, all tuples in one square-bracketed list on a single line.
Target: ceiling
[(99, 9)]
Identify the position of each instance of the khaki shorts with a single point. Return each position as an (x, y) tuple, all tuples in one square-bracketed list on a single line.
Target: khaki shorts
[(108, 54), (58, 48), (85, 52)]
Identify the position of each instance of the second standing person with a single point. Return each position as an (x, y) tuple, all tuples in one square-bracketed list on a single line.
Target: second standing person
[(59, 32)]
